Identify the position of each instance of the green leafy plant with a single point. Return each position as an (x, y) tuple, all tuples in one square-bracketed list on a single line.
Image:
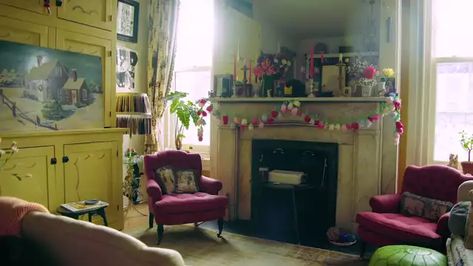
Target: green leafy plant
[(188, 112), (185, 110), (467, 142)]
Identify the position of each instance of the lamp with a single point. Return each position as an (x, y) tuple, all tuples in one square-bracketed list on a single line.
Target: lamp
[(134, 113)]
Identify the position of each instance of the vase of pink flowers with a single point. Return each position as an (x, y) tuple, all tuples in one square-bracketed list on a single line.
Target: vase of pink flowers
[(271, 70), (363, 77)]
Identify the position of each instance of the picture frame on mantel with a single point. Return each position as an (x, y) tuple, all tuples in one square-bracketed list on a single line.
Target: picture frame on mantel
[(127, 20)]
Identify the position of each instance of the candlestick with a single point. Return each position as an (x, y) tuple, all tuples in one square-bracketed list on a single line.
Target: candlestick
[(250, 72), (311, 62), (234, 67), (340, 58)]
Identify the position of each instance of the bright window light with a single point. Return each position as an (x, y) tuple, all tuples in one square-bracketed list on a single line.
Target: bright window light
[(452, 52), (193, 65)]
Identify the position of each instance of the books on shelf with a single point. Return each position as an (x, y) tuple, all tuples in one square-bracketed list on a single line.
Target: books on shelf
[(80, 206)]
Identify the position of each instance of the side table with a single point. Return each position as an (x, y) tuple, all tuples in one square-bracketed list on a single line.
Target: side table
[(100, 211)]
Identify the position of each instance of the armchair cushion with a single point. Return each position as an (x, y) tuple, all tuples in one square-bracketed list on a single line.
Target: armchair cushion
[(188, 203), (166, 179), (186, 181), (386, 203), (408, 229), (432, 209)]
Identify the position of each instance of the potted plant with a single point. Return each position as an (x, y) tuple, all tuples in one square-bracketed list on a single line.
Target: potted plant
[(467, 143), (186, 112)]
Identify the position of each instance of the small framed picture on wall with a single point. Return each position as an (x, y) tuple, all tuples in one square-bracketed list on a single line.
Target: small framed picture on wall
[(127, 20)]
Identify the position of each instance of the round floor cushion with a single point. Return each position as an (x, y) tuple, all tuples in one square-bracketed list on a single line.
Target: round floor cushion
[(407, 255)]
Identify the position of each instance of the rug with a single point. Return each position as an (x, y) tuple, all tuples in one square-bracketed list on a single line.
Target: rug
[(201, 246)]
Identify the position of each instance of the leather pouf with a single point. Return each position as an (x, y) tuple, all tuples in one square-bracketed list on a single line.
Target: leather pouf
[(407, 255)]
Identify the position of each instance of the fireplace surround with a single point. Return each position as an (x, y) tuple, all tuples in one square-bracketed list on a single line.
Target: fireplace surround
[(367, 158)]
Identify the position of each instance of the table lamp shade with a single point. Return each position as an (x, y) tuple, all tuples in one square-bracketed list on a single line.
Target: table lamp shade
[(134, 112)]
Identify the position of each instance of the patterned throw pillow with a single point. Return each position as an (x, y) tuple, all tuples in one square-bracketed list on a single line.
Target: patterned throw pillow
[(186, 181), (412, 204), (166, 179), (415, 205)]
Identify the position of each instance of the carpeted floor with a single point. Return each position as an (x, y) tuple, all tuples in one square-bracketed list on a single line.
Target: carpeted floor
[(201, 247)]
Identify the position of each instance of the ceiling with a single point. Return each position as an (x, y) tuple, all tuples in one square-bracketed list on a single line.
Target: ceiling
[(309, 18)]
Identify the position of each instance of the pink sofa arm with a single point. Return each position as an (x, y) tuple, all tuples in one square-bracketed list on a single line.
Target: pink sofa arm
[(442, 225), (210, 185), (153, 190), (386, 203)]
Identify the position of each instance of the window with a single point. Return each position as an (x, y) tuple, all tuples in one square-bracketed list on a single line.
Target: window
[(193, 65), (452, 75)]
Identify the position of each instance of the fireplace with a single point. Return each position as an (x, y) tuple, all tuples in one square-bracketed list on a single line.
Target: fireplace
[(362, 163), (294, 213)]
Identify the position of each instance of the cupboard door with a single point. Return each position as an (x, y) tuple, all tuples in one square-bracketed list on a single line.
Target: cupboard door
[(85, 44), (36, 6), (29, 175), (96, 13), (91, 173), (23, 32)]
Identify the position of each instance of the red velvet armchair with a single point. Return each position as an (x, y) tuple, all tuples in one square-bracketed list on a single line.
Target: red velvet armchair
[(385, 225), (171, 209)]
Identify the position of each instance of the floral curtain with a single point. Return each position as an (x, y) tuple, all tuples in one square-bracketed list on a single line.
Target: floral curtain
[(163, 16)]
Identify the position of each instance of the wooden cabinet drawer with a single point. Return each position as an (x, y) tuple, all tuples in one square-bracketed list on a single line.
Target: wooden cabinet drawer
[(96, 13)]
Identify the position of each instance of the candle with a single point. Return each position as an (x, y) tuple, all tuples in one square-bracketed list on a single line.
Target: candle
[(238, 50), (279, 47), (234, 66), (340, 58), (311, 62), (250, 73)]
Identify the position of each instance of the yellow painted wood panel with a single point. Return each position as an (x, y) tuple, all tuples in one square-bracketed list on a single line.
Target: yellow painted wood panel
[(36, 6), (92, 173), (23, 32), (29, 175), (96, 13), (81, 43)]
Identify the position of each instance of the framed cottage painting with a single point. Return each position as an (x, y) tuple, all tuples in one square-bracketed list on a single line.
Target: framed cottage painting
[(47, 89)]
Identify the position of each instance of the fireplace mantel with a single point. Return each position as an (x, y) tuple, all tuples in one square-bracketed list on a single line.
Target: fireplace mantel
[(367, 157), (300, 99)]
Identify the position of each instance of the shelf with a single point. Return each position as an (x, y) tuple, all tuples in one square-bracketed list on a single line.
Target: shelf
[(301, 99), (336, 55)]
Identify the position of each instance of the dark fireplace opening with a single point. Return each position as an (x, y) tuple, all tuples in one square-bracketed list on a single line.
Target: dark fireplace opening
[(294, 213)]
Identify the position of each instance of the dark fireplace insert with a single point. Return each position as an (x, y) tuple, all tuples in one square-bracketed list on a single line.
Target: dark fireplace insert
[(294, 213)]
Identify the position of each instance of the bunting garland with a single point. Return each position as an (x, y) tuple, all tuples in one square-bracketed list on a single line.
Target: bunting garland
[(391, 106)]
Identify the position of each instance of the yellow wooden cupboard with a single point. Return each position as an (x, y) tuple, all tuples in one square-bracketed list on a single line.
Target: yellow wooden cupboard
[(56, 167)]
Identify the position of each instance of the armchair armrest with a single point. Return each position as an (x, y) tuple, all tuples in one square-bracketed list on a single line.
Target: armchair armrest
[(386, 203), (210, 185), (442, 225), (153, 190)]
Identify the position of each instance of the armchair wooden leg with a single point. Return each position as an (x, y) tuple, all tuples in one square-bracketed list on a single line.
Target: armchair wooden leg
[(220, 227), (151, 220), (362, 248), (160, 233)]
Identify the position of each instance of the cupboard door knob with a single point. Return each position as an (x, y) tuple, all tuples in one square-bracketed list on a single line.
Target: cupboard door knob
[(53, 161), (65, 159)]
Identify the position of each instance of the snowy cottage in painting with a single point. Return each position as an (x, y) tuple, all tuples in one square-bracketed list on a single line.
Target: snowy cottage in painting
[(44, 82), (52, 81), (75, 90)]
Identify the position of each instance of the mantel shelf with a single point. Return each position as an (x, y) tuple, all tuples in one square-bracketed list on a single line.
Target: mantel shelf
[(301, 99)]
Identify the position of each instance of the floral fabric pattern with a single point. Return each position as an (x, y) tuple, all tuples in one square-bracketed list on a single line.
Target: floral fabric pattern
[(186, 182), (166, 179), (415, 205), (163, 15)]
